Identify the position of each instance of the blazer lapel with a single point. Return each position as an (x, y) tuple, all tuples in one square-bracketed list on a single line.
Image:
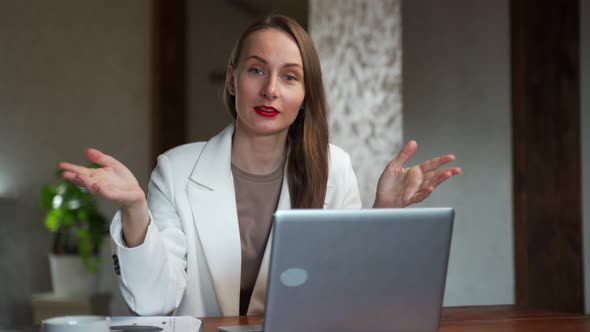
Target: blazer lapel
[(212, 198)]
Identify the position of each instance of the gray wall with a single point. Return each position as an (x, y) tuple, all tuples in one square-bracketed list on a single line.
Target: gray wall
[(456, 73), (73, 74), (585, 106), (213, 28)]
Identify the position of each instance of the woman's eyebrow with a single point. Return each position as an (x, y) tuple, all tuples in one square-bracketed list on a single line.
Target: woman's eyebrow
[(261, 59), (293, 65), (256, 57)]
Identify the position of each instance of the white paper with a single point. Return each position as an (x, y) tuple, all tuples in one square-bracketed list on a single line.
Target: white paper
[(155, 324)]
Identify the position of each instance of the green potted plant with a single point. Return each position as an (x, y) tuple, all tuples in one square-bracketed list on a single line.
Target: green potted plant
[(79, 229)]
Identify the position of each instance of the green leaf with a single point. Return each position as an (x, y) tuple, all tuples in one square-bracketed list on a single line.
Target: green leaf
[(84, 244), (83, 215), (47, 193), (61, 188), (73, 216), (53, 220), (68, 218), (74, 204), (92, 263), (57, 201)]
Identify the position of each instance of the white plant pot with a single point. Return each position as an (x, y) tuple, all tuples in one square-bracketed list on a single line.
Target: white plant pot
[(70, 278)]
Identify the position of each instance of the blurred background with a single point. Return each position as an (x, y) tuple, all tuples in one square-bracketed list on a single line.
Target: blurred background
[(502, 84)]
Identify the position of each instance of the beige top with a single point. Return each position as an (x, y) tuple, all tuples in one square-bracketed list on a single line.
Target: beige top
[(257, 197)]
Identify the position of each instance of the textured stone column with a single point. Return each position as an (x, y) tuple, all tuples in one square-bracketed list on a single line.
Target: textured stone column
[(359, 43)]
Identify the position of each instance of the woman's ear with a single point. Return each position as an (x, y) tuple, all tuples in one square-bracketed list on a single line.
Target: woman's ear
[(229, 80)]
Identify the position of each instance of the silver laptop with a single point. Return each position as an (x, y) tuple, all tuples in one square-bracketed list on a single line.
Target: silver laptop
[(357, 270)]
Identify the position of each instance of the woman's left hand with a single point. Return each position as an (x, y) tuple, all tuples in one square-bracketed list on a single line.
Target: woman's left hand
[(400, 187)]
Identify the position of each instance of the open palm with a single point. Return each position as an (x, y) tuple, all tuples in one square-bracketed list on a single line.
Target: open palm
[(400, 187), (112, 181)]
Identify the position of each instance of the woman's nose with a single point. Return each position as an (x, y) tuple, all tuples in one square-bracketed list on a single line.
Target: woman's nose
[(270, 90)]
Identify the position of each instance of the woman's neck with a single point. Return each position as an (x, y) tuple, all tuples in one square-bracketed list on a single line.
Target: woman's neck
[(258, 155)]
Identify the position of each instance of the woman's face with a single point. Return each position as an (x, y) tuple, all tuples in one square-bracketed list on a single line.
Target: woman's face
[(267, 83)]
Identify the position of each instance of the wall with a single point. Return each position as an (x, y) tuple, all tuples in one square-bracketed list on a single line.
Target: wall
[(359, 45), (73, 74), (213, 28), (456, 73), (585, 135)]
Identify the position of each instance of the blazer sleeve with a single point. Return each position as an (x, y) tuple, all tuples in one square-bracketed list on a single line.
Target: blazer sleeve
[(343, 189), (351, 197), (152, 276)]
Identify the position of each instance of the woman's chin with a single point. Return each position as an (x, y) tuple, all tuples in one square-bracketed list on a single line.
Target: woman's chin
[(264, 128)]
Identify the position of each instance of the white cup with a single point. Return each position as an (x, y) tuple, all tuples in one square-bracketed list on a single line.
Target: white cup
[(76, 324)]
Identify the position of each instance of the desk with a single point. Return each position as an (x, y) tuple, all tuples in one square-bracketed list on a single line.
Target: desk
[(469, 319)]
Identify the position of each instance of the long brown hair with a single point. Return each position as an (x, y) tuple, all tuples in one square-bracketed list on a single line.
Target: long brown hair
[(307, 169)]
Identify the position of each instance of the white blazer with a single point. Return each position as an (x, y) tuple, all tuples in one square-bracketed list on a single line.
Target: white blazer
[(190, 261)]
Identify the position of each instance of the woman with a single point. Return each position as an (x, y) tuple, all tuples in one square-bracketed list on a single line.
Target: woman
[(198, 244)]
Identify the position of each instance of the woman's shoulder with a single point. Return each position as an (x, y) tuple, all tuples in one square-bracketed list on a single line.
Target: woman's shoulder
[(180, 159), (190, 151), (185, 150), (339, 160), (338, 155)]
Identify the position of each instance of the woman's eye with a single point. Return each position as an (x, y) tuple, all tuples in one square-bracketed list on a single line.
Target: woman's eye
[(290, 78), (256, 71)]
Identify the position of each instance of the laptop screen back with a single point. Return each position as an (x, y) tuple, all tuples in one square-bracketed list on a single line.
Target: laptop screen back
[(358, 270)]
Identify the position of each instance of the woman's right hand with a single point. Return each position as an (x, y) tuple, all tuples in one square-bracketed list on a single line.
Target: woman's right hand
[(115, 182), (112, 181)]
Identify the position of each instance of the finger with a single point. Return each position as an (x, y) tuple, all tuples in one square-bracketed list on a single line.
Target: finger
[(93, 186), (110, 192), (100, 158), (435, 163), (404, 155), (68, 167), (413, 184), (437, 179), (420, 196), (95, 189), (441, 176), (70, 176), (77, 178), (90, 184)]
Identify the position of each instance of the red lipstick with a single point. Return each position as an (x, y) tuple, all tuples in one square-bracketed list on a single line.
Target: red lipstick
[(266, 111)]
